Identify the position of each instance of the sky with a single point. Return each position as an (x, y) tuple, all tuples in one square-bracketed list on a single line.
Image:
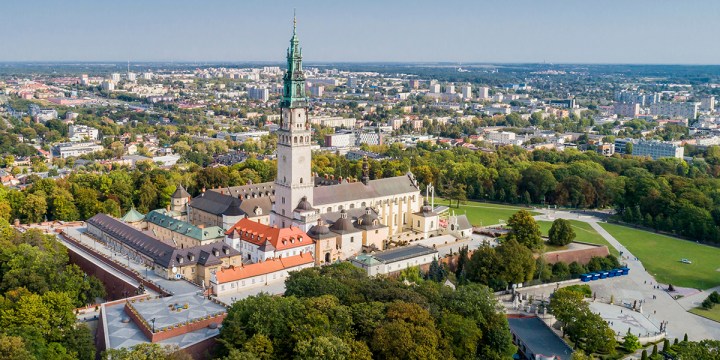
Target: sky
[(471, 31)]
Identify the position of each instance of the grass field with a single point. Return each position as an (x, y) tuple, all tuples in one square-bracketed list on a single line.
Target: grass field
[(584, 232), (661, 256), (712, 314), (484, 214)]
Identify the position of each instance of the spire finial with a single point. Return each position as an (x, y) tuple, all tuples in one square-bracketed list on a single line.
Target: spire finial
[(294, 22)]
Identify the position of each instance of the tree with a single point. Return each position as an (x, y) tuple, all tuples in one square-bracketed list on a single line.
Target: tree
[(143, 351), (79, 340), (322, 347), (437, 272), (654, 351), (517, 264), (644, 355), (561, 232), (13, 348), (666, 345), (631, 342), (35, 207), (525, 230), (580, 355), (408, 333)]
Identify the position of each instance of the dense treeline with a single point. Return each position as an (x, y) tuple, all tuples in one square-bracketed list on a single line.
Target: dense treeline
[(84, 194), (338, 312), (668, 194), (39, 291)]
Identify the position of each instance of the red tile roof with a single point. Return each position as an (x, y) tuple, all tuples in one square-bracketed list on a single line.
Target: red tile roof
[(280, 238), (234, 273)]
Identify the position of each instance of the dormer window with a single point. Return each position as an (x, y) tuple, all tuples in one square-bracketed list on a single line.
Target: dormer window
[(191, 257)]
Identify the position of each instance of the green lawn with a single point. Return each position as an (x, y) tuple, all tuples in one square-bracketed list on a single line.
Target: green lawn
[(712, 314), (484, 214), (661, 256), (584, 232)]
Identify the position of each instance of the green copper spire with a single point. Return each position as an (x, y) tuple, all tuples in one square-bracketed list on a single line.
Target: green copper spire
[(294, 79)]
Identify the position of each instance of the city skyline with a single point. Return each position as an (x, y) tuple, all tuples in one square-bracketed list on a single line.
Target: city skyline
[(617, 32)]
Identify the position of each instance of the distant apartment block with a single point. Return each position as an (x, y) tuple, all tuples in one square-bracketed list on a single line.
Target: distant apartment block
[(707, 103), (350, 139), (685, 110), (466, 92), (115, 77), (66, 150), (657, 149), (324, 81), (627, 109), (484, 93), (82, 133), (654, 149), (502, 137), (108, 85), (317, 91), (259, 93), (41, 115), (333, 121)]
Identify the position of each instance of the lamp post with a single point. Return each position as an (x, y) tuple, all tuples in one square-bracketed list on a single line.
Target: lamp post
[(153, 322)]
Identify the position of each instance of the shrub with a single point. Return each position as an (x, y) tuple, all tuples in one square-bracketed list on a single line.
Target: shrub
[(714, 297), (707, 304), (582, 289)]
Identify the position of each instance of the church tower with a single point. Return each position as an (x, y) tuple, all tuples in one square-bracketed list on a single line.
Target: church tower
[(294, 184)]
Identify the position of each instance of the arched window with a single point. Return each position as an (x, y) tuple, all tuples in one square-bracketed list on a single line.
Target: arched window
[(301, 180), (352, 206), (329, 209), (295, 140)]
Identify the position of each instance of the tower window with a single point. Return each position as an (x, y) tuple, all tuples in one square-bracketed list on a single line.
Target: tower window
[(301, 180), (295, 140)]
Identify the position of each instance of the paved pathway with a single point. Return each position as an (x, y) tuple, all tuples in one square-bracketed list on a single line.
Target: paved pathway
[(641, 283)]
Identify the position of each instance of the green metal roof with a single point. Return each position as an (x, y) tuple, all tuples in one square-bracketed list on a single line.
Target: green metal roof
[(159, 218), (132, 216)]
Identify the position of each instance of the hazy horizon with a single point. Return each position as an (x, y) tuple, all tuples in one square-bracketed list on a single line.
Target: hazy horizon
[(614, 32)]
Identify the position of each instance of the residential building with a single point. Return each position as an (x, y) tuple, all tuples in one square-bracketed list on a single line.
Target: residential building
[(631, 110), (484, 93), (707, 103), (333, 121), (685, 110), (65, 150), (259, 93), (82, 133), (115, 77), (657, 149), (108, 85), (466, 92), (317, 91)]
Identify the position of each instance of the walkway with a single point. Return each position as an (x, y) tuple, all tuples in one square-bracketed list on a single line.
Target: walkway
[(639, 284)]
